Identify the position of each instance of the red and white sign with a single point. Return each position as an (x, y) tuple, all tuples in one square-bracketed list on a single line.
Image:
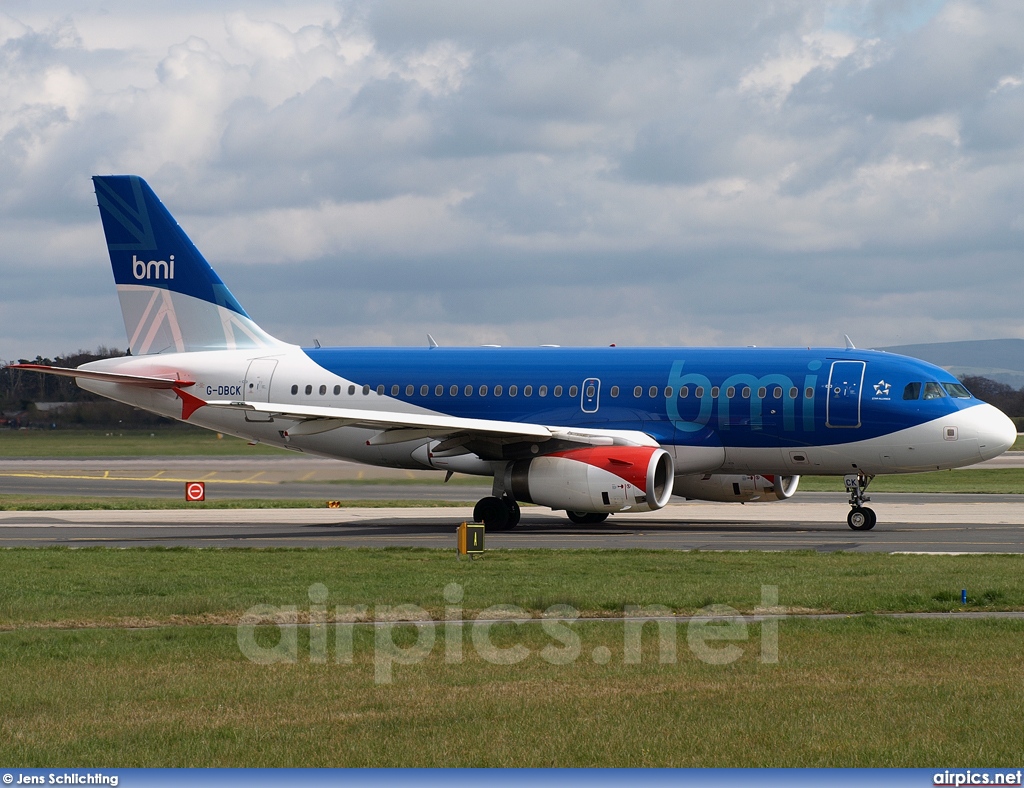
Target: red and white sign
[(195, 491)]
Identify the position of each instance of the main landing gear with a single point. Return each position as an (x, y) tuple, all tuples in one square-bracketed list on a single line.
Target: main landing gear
[(860, 518), (497, 514)]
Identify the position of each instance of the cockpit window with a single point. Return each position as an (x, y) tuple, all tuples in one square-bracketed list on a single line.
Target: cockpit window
[(957, 390), (933, 391), (912, 391)]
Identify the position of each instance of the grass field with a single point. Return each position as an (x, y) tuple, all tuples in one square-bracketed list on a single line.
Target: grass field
[(1007, 481), (864, 691), (127, 443), (40, 503), (96, 586)]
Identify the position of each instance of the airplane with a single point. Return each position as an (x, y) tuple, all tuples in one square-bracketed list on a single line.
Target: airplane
[(591, 431)]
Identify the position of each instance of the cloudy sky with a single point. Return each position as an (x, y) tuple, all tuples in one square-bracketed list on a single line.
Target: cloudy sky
[(576, 172)]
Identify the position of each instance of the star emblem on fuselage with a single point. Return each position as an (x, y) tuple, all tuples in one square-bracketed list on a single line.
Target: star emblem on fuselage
[(882, 388)]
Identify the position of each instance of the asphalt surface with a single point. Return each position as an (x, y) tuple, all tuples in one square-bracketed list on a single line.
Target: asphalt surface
[(966, 526), (810, 521)]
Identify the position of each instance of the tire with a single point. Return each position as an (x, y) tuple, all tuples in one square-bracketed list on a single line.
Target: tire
[(587, 518), (861, 518), (514, 511), (494, 514)]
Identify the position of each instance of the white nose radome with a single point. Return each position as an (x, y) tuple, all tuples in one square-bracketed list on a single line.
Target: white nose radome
[(996, 433)]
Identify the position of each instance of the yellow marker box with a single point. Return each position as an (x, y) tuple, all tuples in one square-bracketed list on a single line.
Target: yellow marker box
[(471, 539)]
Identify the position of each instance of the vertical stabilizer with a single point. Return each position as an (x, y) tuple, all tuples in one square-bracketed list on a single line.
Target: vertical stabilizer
[(171, 299)]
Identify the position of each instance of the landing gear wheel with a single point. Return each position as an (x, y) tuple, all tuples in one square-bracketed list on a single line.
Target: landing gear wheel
[(496, 514), (587, 518), (861, 518), (514, 512)]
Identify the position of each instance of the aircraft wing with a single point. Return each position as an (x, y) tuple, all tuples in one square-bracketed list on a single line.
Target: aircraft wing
[(396, 427)]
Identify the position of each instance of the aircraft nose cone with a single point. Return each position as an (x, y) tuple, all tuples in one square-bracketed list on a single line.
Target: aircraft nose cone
[(996, 433)]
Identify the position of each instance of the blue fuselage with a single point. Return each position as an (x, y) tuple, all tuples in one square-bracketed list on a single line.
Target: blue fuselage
[(733, 397)]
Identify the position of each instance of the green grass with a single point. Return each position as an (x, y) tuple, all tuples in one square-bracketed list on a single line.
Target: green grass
[(1008, 481), (861, 692), (126, 443), (131, 657), (37, 503), (94, 586)]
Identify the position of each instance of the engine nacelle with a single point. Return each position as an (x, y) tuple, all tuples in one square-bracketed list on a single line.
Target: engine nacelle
[(744, 489), (595, 479)]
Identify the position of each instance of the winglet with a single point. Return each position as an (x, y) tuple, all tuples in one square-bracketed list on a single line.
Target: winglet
[(849, 342), (431, 342)]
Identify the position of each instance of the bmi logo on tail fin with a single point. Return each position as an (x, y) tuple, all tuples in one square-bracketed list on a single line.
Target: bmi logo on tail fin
[(171, 299)]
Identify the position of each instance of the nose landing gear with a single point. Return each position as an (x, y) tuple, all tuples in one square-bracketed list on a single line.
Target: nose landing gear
[(860, 518)]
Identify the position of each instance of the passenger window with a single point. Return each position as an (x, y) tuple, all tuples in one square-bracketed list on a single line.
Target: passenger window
[(809, 393), (497, 390), (615, 391), (527, 391), (933, 391), (573, 391), (652, 392), (483, 391), (309, 389), (590, 391), (558, 391), (542, 391), (380, 389), (762, 392), (453, 391), (351, 390), (684, 392), (337, 391), (366, 390), (513, 390), (793, 392), (323, 389), (409, 390), (777, 393), (637, 392), (714, 391), (394, 390), (957, 390), (746, 392), (438, 390), (424, 390), (668, 392), (699, 392), (730, 392), (912, 391), (295, 389)]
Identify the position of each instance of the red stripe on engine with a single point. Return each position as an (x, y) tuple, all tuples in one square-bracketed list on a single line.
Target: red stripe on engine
[(629, 463)]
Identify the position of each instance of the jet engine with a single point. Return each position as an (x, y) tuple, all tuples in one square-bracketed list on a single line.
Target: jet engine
[(723, 487), (595, 479)]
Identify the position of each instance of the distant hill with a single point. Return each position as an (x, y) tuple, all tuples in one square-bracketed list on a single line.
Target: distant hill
[(996, 359)]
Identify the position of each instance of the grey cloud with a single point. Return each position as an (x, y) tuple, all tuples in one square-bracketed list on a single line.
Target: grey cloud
[(582, 172)]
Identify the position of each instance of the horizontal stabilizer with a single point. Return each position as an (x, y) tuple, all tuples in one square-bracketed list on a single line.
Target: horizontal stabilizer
[(142, 381)]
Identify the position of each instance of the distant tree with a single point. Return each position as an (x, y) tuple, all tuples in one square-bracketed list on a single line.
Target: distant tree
[(1005, 397), (20, 389)]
